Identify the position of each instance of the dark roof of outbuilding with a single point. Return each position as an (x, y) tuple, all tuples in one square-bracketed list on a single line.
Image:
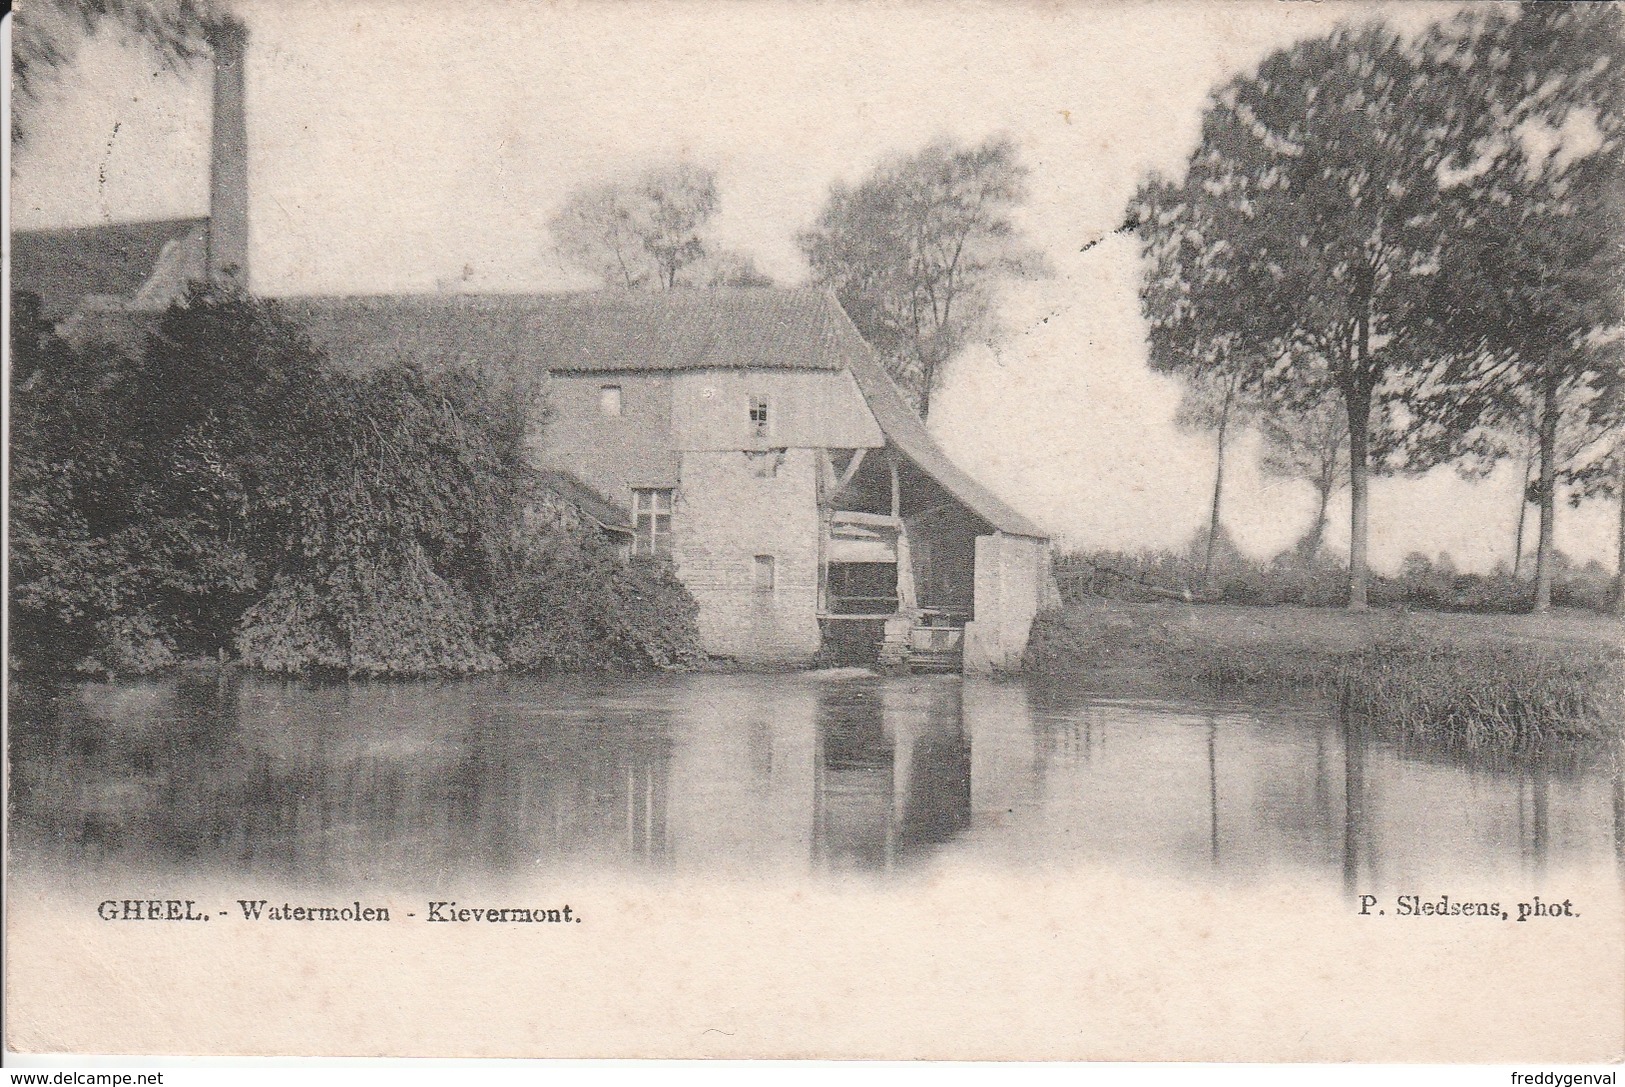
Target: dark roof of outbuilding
[(569, 486), (66, 266), (905, 430)]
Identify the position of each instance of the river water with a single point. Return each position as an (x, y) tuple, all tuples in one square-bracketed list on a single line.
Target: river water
[(806, 775)]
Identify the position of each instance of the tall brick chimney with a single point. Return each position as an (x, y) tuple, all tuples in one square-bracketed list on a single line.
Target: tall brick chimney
[(228, 157)]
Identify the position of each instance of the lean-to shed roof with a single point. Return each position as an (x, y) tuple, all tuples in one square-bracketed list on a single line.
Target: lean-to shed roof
[(64, 267)]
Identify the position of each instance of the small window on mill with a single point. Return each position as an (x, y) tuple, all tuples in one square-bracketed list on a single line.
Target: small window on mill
[(764, 573), (758, 417), (609, 400)]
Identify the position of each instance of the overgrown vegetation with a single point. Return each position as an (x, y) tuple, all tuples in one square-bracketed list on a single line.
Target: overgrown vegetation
[(221, 490), (1504, 694), (1439, 680)]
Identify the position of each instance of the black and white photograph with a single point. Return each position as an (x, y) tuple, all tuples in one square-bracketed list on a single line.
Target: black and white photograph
[(974, 530)]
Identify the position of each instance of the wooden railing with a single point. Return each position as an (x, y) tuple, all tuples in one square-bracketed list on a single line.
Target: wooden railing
[(862, 605)]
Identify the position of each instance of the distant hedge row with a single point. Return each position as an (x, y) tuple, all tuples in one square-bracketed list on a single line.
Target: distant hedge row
[(1422, 582)]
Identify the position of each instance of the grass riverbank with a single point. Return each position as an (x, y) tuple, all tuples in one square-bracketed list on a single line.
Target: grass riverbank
[(1520, 682)]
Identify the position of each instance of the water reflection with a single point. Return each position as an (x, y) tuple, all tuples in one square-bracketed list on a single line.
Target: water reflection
[(893, 776), (497, 778), (1356, 831)]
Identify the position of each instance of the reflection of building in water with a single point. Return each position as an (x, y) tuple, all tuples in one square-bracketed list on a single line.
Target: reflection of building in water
[(893, 775), (761, 775), (380, 781), (1007, 763), (852, 797), (741, 779), (852, 773)]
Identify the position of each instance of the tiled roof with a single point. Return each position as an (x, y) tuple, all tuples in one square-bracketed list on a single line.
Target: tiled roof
[(735, 328), (66, 266), (740, 328)]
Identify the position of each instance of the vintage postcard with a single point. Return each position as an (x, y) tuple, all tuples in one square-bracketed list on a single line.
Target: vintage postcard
[(958, 530)]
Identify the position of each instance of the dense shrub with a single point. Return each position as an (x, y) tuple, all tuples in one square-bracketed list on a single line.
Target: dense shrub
[(364, 619), (224, 489), (140, 481), (397, 526), (575, 604)]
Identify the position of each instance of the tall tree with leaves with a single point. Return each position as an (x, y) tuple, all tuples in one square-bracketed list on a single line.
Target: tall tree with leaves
[(1314, 188), (1528, 283), (917, 251), (47, 34)]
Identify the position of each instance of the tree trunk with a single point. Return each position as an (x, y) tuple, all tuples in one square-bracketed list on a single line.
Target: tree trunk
[(1359, 409), (1548, 498), (1218, 490), (927, 361), (1523, 509), (1317, 535)]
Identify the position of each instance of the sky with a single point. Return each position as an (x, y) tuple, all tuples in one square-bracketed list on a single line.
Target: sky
[(402, 146)]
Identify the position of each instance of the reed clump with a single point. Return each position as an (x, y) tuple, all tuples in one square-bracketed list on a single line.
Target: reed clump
[(1508, 694), (1435, 680)]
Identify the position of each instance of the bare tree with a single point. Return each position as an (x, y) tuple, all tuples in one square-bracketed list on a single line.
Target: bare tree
[(1196, 323), (1309, 443), (1606, 479), (1214, 403), (639, 233), (1508, 429)]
